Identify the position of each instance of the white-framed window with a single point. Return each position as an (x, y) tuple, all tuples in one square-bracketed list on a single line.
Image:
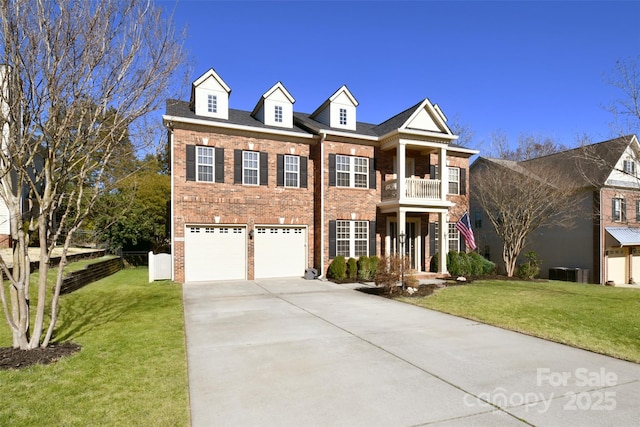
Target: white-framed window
[(453, 236), (204, 164), (212, 103), (343, 116), (250, 167), (291, 171), (278, 114), (629, 166), (352, 238), (352, 171), (618, 213), (454, 180)]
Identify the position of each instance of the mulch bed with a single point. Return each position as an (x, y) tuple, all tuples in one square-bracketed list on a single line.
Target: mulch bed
[(423, 291), (14, 358)]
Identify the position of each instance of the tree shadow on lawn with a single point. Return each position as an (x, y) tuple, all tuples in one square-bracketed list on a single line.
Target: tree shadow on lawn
[(79, 315)]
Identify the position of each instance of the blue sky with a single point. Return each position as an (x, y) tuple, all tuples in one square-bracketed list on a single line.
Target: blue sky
[(519, 67)]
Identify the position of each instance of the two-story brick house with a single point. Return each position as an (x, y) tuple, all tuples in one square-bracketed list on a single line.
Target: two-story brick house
[(604, 240), (271, 192)]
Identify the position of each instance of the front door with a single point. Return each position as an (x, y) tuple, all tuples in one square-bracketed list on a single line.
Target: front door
[(412, 247)]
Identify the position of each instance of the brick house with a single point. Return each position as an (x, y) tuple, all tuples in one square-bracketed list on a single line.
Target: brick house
[(604, 242), (272, 192)]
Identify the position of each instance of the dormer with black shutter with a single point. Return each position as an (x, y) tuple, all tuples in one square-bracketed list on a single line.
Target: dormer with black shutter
[(210, 96), (275, 107), (339, 111)]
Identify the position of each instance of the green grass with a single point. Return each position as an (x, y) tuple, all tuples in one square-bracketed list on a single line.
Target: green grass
[(601, 319), (131, 369)]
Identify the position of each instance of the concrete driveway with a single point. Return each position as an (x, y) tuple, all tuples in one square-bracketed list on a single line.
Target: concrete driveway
[(292, 352)]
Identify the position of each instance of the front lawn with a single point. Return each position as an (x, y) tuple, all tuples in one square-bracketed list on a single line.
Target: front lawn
[(601, 319), (131, 369)]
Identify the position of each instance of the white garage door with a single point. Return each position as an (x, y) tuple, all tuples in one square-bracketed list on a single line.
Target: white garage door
[(280, 251), (214, 252), (617, 266)]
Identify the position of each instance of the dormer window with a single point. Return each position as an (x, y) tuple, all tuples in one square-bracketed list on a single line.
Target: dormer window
[(212, 103), (278, 114), (343, 116)]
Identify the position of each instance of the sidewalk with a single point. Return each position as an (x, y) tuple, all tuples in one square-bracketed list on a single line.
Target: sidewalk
[(291, 352)]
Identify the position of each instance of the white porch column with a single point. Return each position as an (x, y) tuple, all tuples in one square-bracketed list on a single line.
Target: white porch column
[(443, 242), (444, 173), (402, 167), (402, 228)]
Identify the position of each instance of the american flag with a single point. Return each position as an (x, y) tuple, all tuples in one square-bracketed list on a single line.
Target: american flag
[(464, 227)]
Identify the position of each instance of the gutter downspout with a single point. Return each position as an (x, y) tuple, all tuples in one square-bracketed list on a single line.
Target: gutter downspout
[(323, 136), (169, 127), (601, 239)]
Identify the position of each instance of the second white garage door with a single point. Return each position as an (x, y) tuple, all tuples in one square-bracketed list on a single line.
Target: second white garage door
[(280, 251), (215, 252)]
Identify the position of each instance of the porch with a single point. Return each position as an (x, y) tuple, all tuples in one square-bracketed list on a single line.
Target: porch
[(415, 189)]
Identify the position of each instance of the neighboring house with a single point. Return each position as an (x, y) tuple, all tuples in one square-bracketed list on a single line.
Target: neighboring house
[(272, 192), (604, 243)]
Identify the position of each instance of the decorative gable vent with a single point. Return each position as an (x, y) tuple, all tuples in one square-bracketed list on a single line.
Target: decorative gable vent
[(275, 107), (210, 96), (339, 111)]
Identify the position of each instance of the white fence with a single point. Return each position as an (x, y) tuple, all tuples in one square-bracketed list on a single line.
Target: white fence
[(159, 266)]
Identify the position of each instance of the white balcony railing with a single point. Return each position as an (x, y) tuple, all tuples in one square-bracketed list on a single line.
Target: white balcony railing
[(415, 189)]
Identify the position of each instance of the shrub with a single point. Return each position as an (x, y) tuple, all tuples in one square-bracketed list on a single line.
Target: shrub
[(531, 268), (389, 270), (352, 268), (366, 269), (476, 262), (337, 269), (433, 264), (453, 263), (373, 262)]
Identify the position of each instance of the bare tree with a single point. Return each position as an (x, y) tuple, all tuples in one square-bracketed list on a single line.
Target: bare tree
[(520, 197), (529, 146), (79, 79), (626, 109)]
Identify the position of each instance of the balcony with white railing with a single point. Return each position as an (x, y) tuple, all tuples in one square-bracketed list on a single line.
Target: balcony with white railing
[(416, 190)]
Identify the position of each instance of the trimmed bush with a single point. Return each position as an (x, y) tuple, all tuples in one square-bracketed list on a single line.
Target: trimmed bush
[(365, 272), (352, 268), (373, 263), (476, 262), (337, 269), (433, 264), (453, 263)]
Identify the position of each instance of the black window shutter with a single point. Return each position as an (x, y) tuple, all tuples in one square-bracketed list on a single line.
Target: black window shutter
[(264, 169), (219, 164), (280, 170), (332, 170), (303, 172), (372, 173), (237, 166), (432, 239), (432, 172), (372, 239), (624, 210), (463, 182), (191, 162), (332, 239)]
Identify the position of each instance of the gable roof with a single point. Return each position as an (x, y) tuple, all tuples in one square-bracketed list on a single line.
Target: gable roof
[(276, 87), (415, 118), (587, 165), (343, 90), (211, 73)]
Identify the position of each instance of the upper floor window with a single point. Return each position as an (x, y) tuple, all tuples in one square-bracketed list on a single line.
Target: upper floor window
[(212, 103), (454, 180), (278, 114), (204, 164), (343, 116), (352, 171), (619, 210), (250, 167), (629, 167), (291, 171), (638, 211), (477, 219)]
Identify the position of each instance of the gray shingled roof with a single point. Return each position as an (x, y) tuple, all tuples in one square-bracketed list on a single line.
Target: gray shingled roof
[(237, 117), (396, 121), (304, 120)]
